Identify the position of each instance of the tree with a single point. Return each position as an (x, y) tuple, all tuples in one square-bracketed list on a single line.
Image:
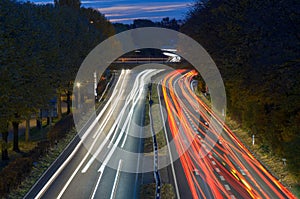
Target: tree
[(139, 23), (22, 63), (255, 45), (41, 51), (171, 24), (70, 3)]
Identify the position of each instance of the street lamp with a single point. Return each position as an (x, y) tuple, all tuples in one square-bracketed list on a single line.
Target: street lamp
[(136, 53), (78, 93)]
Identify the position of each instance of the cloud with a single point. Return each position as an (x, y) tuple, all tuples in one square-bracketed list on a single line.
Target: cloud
[(114, 15), (118, 8), (155, 10), (43, 2), (143, 7), (126, 10), (133, 18), (96, 1), (164, 7)]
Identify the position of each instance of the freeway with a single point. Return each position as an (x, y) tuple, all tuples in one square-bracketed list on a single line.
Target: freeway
[(106, 160), (97, 166), (212, 165)]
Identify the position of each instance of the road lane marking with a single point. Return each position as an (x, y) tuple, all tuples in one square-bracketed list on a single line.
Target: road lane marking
[(222, 178), (59, 170), (134, 91), (104, 163), (111, 98), (227, 187), (127, 125), (90, 162), (135, 98), (103, 109), (114, 128), (111, 111), (101, 169), (100, 114), (118, 123), (218, 170), (99, 149), (116, 181), (96, 186), (78, 167), (128, 120), (54, 176), (213, 162), (107, 158)]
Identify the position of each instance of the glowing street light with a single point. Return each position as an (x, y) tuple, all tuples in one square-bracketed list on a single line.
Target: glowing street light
[(136, 57), (78, 94)]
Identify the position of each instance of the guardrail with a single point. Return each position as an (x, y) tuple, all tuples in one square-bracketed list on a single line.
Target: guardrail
[(156, 173)]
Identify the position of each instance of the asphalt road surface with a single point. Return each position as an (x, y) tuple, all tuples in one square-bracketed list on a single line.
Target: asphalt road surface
[(106, 160), (213, 164)]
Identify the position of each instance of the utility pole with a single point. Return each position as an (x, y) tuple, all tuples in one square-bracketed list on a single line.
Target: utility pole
[(78, 94), (95, 85)]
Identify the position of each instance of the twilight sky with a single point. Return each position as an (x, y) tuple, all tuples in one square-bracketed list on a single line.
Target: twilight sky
[(125, 11)]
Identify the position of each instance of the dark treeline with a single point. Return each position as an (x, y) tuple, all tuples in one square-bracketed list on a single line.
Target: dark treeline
[(255, 44), (140, 23), (42, 48)]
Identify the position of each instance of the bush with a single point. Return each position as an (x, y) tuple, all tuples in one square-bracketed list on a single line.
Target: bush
[(60, 129), (12, 175)]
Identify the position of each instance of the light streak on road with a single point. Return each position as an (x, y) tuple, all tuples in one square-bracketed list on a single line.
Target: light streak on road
[(109, 131), (222, 169), (212, 165)]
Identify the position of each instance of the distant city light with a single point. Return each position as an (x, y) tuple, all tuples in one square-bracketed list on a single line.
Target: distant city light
[(169, 50), (172, 57)]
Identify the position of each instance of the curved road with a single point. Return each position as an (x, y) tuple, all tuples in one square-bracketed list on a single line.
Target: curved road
[(214, 166), (87, 171)]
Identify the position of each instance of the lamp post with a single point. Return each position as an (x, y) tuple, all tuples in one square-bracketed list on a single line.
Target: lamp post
[(78, 94), (136, 53)]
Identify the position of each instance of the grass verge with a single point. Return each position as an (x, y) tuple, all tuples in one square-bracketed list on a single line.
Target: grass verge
[(147, 191), (41, 166), (273, 163)]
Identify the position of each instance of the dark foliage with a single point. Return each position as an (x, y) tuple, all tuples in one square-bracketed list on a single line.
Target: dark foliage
[(60, 129), (140, 23), (256, 47), (13, 174), (42, 48)]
